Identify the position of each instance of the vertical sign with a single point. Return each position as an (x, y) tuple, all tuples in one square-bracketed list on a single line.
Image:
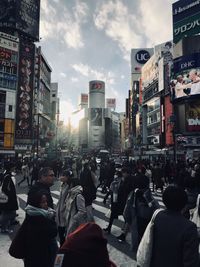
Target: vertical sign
[(23, 129)]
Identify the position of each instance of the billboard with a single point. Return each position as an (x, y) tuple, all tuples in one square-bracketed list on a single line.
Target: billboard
[(139, 56), (23, 128), (21, 15), (186, 19), (96, 116), (193, 116), (111, 103), (9, 47), (186, 80), (97, 86), (84, 98)]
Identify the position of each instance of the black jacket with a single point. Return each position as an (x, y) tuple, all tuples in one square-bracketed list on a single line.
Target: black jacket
[(40, 187), (175, 242), (9, 189), (40, 237)]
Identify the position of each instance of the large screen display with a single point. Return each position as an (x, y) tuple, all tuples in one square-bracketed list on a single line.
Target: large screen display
[(186, 82)]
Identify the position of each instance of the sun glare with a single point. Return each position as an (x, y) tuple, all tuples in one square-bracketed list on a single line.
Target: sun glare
[(75, 118)]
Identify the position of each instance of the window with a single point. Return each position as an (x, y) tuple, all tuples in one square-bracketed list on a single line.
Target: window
[(10, 108), (54, 95)]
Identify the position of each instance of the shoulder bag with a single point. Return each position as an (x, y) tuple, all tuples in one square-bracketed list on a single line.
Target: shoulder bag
[(144, 251), (195, 218)]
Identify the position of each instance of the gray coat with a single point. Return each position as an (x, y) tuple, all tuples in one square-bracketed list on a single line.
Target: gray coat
[(75, 211), (175, 242), (60, 208)]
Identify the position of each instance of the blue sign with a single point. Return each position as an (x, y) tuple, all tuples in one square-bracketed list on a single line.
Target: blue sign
[(187, 62), (142, 56), (185, 8)]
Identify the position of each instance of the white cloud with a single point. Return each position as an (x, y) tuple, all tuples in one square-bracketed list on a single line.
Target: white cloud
[(65, 25), (74, 79), (92, 74), (156, 20), (114, 18), (83, 69), (62, 74)]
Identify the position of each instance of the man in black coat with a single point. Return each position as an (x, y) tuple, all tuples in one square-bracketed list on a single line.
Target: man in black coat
[(175, 241), (45, 181)]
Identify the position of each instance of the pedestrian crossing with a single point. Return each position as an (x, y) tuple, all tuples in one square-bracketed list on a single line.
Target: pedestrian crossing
[(119, 252)]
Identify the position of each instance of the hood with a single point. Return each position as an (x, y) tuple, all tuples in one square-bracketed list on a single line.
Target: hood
[(86, 246), (76, 189), (34, 211)]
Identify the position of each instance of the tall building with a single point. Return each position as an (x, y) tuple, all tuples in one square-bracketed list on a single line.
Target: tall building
[(96, 114), (42, 104), (20, 19), (139, 56), (155, 89)]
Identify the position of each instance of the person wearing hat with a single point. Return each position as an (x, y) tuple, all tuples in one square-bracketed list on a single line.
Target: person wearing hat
[(60, 208), (84, 247)]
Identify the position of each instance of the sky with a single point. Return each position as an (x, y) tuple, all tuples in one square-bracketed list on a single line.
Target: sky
[(85, 40)]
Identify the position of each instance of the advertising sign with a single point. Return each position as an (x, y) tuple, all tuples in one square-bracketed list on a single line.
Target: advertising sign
[(184, 8), (21, 15), (84, 98), (111, 103), (193, 116), (139, 57), (97, 86), (96, 116), (23, 128), (186, 81), (8, 44), (8, 61), (186, 19)]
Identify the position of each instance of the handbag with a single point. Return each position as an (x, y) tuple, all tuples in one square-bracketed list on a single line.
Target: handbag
[(18, 246), (144, 251), (195, 218), (3, 196)]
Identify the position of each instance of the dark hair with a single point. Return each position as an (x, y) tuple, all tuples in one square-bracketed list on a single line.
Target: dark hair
[(35, 199), (74, 182), (67, 173), (8, 165), (44, 172), (118, 173), (126, 170), (174, 198)]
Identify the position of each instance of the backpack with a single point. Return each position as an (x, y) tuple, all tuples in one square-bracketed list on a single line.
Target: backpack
[(146, 204)]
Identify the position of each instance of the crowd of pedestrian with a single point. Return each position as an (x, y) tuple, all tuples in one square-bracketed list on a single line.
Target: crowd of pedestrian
[(130, 191)]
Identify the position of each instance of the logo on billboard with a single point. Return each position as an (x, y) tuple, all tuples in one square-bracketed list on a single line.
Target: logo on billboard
[(142, 56), (193, 117), (97, 86)]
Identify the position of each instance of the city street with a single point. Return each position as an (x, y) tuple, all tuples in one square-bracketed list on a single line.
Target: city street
[(120, 253)]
